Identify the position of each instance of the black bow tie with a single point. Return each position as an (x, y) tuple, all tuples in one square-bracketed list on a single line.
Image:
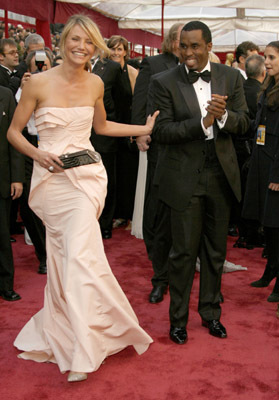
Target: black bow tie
[(194, 76)]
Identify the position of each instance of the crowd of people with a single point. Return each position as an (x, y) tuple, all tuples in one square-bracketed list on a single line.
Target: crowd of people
[(213, 149)]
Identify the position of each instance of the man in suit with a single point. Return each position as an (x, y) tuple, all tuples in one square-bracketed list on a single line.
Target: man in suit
[(256, 72), (197, 171), (156, 225), (33, 42), (244, 50), (110, 73), (31, 221), (11, 178), (8, 63)]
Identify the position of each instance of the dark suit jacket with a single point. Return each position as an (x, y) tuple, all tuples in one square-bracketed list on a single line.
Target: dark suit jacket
[(6, 80), (11, 162), (110, 73), (179, 132), (252, 88), (141, 103)]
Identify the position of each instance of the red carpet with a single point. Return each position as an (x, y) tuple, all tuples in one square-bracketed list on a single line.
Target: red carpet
[(245, 366)]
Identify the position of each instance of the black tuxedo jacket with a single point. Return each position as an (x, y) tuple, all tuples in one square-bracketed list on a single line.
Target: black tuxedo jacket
[(11, 162), (6, 80), (179, 132), (110, 73)]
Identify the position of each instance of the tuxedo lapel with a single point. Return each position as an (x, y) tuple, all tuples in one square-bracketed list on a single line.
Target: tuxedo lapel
[(188, 92)]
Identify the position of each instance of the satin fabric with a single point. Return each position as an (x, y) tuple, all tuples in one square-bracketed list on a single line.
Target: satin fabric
[(86, 316)]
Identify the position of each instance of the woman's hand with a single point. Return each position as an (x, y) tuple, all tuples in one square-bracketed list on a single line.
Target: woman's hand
[(274, 187), (49, 161), (150, 121)]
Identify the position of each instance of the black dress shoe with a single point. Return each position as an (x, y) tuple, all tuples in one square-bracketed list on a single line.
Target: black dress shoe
[(157, 294), (215, 328), (10, 295), (178, 335), (106, 234), (42, 268)]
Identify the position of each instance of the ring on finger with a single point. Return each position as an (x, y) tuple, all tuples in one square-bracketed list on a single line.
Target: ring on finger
[(51, 168)]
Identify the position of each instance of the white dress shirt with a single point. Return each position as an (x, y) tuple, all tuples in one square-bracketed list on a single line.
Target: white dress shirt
[(203, 92)]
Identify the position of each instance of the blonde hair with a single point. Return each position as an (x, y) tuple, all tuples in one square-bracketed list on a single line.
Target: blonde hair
[(214, 58), (167, 45), (90, 28)]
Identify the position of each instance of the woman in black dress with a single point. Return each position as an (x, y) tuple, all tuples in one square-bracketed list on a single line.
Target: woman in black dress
[(127, 156), (262, 195)]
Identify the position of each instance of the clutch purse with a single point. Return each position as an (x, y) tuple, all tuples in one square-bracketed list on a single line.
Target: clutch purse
[(83, 157)]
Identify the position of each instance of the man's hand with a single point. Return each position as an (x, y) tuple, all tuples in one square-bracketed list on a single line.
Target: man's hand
[(16, 190), (274, 187), (217, 105), (143, 142)]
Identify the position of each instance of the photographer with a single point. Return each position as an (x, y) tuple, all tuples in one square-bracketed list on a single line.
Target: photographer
[(37, 61), (33, 42)]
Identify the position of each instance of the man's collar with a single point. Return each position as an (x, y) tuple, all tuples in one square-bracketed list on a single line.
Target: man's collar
[(243, 73), (206, 68), (8, 69)]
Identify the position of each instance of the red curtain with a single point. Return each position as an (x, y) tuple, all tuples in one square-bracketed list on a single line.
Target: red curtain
[(107, 25)]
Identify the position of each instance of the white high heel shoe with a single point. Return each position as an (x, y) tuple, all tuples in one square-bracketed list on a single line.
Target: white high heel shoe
[(76, 376)]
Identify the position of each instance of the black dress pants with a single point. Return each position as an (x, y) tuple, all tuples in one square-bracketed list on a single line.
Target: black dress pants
[(156, 230), (200, 229), (32, 223), (6, 255)]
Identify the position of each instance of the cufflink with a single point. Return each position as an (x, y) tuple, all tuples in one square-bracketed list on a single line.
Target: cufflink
[(4, 113)]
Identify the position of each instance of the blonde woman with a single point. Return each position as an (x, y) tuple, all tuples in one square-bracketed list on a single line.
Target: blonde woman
[(86, 316)]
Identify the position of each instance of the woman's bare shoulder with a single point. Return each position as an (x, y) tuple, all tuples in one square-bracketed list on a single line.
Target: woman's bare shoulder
[(95, 82)]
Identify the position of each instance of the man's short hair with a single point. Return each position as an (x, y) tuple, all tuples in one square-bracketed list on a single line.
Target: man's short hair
[(242, 49), (254, 66), (167, 45), (33, 38), (6, 42), (198, 25)]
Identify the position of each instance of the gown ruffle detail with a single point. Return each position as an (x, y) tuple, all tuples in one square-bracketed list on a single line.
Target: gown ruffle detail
[(86, 316)]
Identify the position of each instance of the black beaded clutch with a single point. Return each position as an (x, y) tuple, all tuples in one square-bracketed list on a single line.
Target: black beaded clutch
[(83, 157)]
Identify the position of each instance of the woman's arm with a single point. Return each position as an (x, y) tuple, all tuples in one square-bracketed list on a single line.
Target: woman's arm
[(109, 128), (28, 103)]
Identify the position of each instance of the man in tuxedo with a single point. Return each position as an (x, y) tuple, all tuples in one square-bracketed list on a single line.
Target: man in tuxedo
[(201, 105), (11, 178), (8, 63), (156, 225), (110, 73)]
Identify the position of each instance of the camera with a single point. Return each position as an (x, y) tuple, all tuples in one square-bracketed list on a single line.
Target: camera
[(40, 58)]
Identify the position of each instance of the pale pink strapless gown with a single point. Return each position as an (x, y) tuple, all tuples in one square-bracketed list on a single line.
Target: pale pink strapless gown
[(86, 316)]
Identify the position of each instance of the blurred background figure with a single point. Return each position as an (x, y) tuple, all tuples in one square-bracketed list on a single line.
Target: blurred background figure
[(127, 154), (229, 59), (262, 192)]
